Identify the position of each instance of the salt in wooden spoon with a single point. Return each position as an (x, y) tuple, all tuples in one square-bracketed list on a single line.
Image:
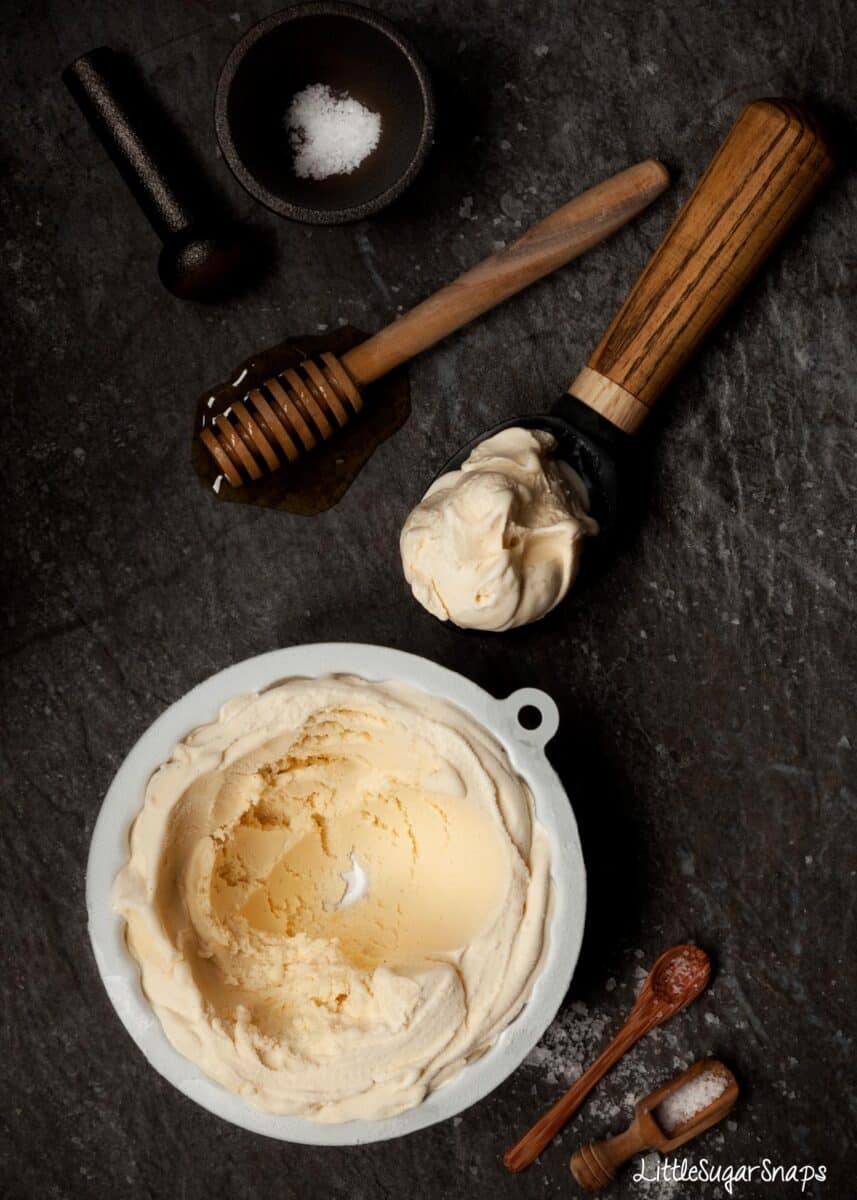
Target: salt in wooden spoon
[(677, 978), (656, 1127)]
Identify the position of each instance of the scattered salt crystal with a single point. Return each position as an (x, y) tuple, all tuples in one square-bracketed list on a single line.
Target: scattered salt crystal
[(330, 133), (511, 205), (215, 487), (689, 1100)]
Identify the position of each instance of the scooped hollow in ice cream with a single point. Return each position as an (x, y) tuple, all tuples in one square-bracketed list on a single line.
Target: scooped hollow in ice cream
[(338, 895), (497, 543)]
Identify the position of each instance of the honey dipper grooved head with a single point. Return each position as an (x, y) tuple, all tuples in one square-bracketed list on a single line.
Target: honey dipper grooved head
[(283, 418)]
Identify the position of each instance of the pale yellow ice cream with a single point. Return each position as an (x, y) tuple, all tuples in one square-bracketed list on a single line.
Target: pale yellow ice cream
[(337, 895), (497, 543)]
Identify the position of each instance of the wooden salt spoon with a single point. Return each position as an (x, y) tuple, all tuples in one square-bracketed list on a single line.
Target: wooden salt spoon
[(290, 414), (677, 978), (594, 1166)]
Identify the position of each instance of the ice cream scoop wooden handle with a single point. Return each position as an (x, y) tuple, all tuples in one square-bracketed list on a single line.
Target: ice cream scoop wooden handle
[(290, 414), (770, 166)]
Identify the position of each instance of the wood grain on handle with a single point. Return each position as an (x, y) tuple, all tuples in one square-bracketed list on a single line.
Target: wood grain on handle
[(770, 166), (566, 233), (595, 1164), (545, 1130)]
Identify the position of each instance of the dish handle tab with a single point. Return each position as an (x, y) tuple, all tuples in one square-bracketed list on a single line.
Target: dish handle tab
[(530, 716)]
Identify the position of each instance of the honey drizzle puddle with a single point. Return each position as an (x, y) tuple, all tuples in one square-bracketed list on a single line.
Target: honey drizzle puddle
[(321, 478)]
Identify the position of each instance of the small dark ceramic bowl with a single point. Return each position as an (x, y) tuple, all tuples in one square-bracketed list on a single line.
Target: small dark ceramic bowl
[(350, 49)]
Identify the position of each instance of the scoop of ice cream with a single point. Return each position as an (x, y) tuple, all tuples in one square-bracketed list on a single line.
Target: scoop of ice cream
[(497, 544)]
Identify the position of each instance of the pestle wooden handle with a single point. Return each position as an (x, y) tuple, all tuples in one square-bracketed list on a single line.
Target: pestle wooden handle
[(565, 234), (770, 166), (595, 1165)]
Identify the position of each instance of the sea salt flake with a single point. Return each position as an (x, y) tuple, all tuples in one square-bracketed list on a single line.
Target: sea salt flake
[(690, 1100)]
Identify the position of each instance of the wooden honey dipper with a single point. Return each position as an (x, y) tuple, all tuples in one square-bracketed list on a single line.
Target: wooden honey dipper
[(292, 412)]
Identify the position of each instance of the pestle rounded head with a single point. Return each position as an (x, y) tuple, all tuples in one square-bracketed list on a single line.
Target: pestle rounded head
[(198, 264)]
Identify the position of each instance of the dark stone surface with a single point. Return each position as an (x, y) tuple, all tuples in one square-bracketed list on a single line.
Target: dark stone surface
[(706, 678)]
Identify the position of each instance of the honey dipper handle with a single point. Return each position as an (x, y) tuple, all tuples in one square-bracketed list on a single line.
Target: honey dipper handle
[(566, 233), (770, 166)]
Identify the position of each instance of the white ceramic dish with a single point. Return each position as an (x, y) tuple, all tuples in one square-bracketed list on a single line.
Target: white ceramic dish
[(525, 747)]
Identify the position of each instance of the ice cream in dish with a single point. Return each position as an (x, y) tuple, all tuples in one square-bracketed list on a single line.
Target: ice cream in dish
[(497, 543), (337, 894)]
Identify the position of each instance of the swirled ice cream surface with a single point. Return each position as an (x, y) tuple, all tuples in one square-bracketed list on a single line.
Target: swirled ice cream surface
[(337, 894)]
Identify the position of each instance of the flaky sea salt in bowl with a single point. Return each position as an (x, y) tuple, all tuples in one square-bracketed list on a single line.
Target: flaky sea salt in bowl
[(324, 112)]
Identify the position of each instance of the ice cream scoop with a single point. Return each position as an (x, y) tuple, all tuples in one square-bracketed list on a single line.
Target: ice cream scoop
[(770, 166)]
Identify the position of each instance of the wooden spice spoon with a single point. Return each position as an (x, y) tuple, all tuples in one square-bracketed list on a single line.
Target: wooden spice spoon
[(594, 1166), (677, 978), (290, 414), (771, 164)]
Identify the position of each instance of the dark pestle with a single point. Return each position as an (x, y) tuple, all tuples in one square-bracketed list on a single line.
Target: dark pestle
[(202, 256)]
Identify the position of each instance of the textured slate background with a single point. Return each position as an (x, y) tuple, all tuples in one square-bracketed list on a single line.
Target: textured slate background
[(706, 679)]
